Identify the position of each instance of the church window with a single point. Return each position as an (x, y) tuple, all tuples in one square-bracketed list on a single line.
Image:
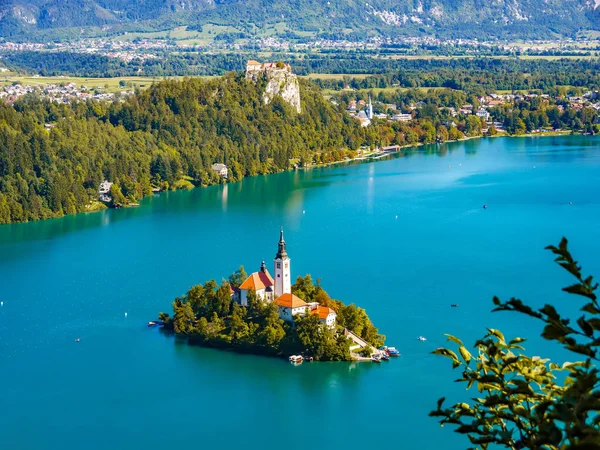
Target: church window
[(286, 265), (279, 265)]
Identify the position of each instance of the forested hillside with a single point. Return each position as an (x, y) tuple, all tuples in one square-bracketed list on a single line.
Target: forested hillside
[(336, 18), (168, 135)]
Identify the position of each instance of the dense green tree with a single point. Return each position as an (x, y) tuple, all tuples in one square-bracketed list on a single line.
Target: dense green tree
[(197, 298), (183, 317), (221, 300), (272, 332), (238, 277)]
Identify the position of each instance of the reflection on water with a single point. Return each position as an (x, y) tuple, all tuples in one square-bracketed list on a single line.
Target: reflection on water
[(312, 378)]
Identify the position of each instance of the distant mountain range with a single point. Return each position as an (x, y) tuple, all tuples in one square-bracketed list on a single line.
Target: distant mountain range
[(351, 19)]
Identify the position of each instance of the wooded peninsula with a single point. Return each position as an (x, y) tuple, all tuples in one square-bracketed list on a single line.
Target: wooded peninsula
[(54, 156)]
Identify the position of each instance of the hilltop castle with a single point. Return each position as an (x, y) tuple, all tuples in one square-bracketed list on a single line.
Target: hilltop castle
[(280, 81), (278, 290)]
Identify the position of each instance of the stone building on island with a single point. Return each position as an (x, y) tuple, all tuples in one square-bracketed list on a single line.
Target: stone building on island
[(279, 290)]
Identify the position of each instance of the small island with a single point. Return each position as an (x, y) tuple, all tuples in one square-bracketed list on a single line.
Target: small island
[(266, 315)]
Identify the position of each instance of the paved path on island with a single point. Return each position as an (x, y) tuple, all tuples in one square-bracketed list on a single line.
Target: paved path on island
[(360, 342)]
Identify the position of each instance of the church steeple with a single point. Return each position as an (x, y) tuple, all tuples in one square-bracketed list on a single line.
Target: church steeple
[(281, 252), (283, 283)]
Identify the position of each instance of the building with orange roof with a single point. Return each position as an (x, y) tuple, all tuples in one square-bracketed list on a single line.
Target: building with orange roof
[(260, 282), (326, 315), (289, 306)]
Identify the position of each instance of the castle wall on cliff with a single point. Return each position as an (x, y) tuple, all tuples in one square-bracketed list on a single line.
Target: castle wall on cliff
[(280, 81)]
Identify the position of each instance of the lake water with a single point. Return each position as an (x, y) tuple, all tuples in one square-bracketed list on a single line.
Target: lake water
[(403, 237)]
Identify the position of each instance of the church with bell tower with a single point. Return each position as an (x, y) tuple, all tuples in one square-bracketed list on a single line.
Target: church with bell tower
[(278, 290), (263, 284), (283, 279)]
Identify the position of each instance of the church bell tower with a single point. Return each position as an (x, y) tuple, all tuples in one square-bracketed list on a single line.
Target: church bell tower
[(283, 280)]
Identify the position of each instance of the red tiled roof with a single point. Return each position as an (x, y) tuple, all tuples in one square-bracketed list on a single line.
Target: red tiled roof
[(258, 280), (290, 301), (322, 311)]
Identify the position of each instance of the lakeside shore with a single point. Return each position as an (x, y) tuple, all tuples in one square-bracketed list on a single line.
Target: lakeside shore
[(375, 155), (96, 206)]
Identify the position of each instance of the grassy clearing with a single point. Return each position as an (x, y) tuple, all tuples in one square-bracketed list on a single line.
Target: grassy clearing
[(108, 84), (181, 34), (337, 76)]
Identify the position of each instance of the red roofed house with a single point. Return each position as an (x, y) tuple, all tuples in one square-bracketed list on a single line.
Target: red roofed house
[(326, 315), (290, 306), (260, 282)]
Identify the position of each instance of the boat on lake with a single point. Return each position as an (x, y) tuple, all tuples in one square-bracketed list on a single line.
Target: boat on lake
[(296, 359), (422, 338), (391, 351), (376, 359)]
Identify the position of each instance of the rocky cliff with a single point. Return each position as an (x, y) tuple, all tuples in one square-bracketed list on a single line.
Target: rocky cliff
[(280, 81)]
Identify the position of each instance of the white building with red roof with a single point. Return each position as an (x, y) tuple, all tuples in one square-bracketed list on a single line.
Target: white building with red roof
[(289, 306), (326, 315), (260, 282)]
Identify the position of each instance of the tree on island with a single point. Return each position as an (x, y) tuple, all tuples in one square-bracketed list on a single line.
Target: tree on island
[(237, 278), (526, 402)]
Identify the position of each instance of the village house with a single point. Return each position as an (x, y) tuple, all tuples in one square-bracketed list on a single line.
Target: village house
[(402, 117), (104, 191), (466, 109), (327, 316), (220, 169), (451, 111), (483, 113)]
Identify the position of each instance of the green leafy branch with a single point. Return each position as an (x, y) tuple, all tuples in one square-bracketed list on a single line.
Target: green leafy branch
[(523, 403)]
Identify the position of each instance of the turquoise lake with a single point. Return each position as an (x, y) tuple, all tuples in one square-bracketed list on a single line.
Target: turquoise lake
[(403, 237)]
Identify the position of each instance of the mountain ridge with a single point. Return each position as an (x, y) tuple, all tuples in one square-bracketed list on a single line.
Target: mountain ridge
[(349, 18)]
